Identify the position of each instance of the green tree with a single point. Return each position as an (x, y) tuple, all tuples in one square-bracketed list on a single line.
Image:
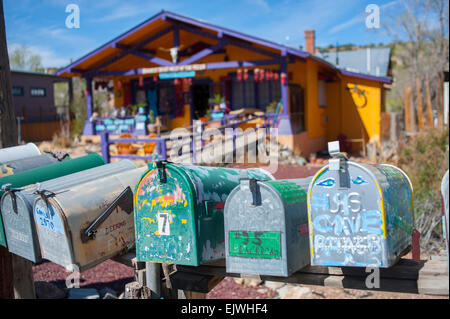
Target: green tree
[(21, 58)]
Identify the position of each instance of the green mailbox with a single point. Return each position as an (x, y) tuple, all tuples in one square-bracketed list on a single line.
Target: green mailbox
[(178, 212), (12, 182)]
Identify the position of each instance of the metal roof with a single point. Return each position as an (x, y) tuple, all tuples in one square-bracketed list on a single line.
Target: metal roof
[(370, 61)]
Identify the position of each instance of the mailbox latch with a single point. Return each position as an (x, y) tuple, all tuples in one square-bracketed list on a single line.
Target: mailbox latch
[(161, 166), (253, 186), (44, 194), (124, 201), (12, 192), (338, 163)]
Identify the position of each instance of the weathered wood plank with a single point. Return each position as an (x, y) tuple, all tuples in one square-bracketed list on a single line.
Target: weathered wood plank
[(407, 276)]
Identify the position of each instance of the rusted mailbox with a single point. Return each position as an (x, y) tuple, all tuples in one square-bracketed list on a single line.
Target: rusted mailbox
[(13, 153), (89, 223), (359, 214), (17, 206), (266, 227), (445, 200), (179, 212)]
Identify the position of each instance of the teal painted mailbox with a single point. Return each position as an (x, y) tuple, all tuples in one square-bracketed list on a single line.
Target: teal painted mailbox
[(359, 215), (178, 211)]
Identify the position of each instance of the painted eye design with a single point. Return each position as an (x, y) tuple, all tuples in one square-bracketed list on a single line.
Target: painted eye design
[(359, 180), (329, 182)]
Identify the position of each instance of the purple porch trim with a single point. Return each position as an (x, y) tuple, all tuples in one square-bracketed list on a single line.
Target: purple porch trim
[(239, 64), (115, 40), (203, 53), (152, 59), (114, 73), (229, 40), (89, 106), (129, 51), (224, 31), (129, 47), (367, 76), (176, 37)]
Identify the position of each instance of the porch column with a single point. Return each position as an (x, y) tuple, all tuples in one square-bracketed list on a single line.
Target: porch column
[(284, 126), (88, 125)]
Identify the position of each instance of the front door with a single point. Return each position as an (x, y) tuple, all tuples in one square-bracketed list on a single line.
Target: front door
[(200, 99)]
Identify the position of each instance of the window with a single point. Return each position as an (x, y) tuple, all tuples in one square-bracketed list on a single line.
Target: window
[(37, 92), (17, 90), (322, 94)]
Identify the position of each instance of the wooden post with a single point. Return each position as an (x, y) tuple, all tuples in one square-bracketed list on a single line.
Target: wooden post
[(406, 102), (428, 101), (6, 274), (23, 278), (440, 99), (419, 104)]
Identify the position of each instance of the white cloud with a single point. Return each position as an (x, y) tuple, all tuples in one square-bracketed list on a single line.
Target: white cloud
[(49, 58), (359, 18)]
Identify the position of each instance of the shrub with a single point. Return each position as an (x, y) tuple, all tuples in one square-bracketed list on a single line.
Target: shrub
[(424, 158)]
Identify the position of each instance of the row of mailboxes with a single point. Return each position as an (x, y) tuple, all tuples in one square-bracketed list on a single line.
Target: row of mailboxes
[(17, 206), (348, 214), (14, 182), (179, 212)]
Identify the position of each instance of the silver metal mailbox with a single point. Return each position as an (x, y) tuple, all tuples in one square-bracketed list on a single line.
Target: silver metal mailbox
[(17, 152), (266, 227), (24, 164), (359, 214), (88, 223), (17, 206)]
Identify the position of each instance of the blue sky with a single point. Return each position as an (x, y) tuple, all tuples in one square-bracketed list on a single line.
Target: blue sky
[(40, 25)]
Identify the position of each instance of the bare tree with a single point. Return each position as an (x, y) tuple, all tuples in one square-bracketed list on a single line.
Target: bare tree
[(421, 47)]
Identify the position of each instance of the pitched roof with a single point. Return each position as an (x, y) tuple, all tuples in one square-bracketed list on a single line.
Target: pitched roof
[(109, 49)]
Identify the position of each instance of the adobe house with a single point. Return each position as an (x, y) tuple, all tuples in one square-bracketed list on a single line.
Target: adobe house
[(34, 104), (174, 64)]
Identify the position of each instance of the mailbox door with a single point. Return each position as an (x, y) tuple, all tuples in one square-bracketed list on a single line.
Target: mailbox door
[(165, 218), (255, 234), (19, 227), (347, 224), (54, 236)]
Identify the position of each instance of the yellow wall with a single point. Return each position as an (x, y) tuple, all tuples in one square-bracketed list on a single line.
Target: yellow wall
[(361, 109)]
